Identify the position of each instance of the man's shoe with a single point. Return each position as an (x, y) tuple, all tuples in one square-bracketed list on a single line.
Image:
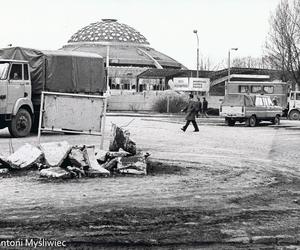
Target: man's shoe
[(196, 130), (182, 129)]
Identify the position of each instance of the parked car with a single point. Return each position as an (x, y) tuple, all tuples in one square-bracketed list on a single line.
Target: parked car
[(249, 109)]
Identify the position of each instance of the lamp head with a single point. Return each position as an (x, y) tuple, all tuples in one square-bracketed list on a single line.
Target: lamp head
[(195, 31), (234, 48)]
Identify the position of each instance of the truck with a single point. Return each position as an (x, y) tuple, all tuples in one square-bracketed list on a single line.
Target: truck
[(25, 73), (293, 105), (249, 109)]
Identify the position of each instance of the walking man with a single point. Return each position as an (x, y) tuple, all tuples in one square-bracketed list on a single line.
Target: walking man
[(204, 107), (191, 111)]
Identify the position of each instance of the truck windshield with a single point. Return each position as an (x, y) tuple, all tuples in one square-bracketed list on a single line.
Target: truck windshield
[(4, 66)]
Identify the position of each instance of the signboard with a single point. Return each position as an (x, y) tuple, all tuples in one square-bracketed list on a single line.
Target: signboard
[(74, 113), (181, 83), (191, 84)]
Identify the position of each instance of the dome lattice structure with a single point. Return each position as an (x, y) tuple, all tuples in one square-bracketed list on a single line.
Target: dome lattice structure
[(108, 30), (127, 46)]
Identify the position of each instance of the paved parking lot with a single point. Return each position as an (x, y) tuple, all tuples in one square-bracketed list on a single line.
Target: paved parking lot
[(239, 183)]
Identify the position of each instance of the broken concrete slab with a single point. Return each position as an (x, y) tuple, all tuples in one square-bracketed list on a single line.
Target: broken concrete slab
[(100, 155), (75, 171), (55, 152), (111, 164), (55, 173), (25, 157), (95, 173), (92, 162), (3, 161), (120, 153), (77, 157), (4, 171), (133, 164), (130, 146), (131, 171), (120, 139)]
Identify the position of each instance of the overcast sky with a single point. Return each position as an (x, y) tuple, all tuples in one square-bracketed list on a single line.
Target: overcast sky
[(167, 24)]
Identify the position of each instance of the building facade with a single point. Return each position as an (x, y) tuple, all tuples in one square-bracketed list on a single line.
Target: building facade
[(127, 53)]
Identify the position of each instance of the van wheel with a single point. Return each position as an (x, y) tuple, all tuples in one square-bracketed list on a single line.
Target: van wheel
[(276, 120), (229, 122), (294, 115), (252, 121), (20, 124)]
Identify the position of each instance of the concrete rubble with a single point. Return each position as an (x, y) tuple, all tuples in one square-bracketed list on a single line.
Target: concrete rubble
[(59, 160), (25, 157), (93, 163), (55, 173), (121, 139), (55, 152)]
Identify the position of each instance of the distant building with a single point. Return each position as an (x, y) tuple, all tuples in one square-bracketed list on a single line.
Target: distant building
[(128, 52)]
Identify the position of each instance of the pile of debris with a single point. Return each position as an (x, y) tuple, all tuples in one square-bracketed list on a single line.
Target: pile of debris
[(60, 160)]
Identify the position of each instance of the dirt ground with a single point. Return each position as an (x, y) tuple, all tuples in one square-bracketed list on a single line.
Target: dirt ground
[(233, 188)]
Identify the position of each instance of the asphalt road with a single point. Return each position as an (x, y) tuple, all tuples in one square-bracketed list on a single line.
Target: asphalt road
[(238, 187)]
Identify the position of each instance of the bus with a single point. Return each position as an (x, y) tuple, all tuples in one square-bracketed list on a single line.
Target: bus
[(276, 90)]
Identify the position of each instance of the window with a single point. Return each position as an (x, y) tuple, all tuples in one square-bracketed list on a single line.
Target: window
[(258, 101), (3, 70), (243, 89), (292, 96), (26, 76), (16, 72), (255, 89), (268, 89), (248, 101), (268, 102), (297, 96)]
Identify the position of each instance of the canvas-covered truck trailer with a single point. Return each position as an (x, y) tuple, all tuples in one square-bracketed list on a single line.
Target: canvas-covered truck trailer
[(25, 73)]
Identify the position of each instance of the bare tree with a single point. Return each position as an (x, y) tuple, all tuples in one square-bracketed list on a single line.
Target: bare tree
[(249, 62), (283, 41)]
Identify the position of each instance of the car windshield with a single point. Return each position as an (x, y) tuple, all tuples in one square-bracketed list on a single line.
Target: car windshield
[(234, 100), (4, 66)]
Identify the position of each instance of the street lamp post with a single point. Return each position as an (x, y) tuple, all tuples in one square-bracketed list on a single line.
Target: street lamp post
[(196, 32), (226, 83)]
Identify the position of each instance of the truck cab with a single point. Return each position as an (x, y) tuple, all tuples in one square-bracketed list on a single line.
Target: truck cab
[(294, 105), (16, 109)]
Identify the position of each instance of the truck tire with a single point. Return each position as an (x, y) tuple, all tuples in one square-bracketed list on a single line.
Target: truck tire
[(20, 124), (252, 121), (294, 115), (276, 120)]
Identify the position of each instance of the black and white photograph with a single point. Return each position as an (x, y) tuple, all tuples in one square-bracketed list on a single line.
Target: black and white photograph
[(150, 124)]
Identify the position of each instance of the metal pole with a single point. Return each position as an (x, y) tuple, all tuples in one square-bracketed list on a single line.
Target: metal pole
[(103, 118), (196, 32), (197, 61), (168, 104), (226, 82), (41, 116), (107, 67)]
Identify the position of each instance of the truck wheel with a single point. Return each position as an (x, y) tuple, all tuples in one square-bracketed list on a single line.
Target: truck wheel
[(20, 124), (294, 115), (276, 120), (252, 121)]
